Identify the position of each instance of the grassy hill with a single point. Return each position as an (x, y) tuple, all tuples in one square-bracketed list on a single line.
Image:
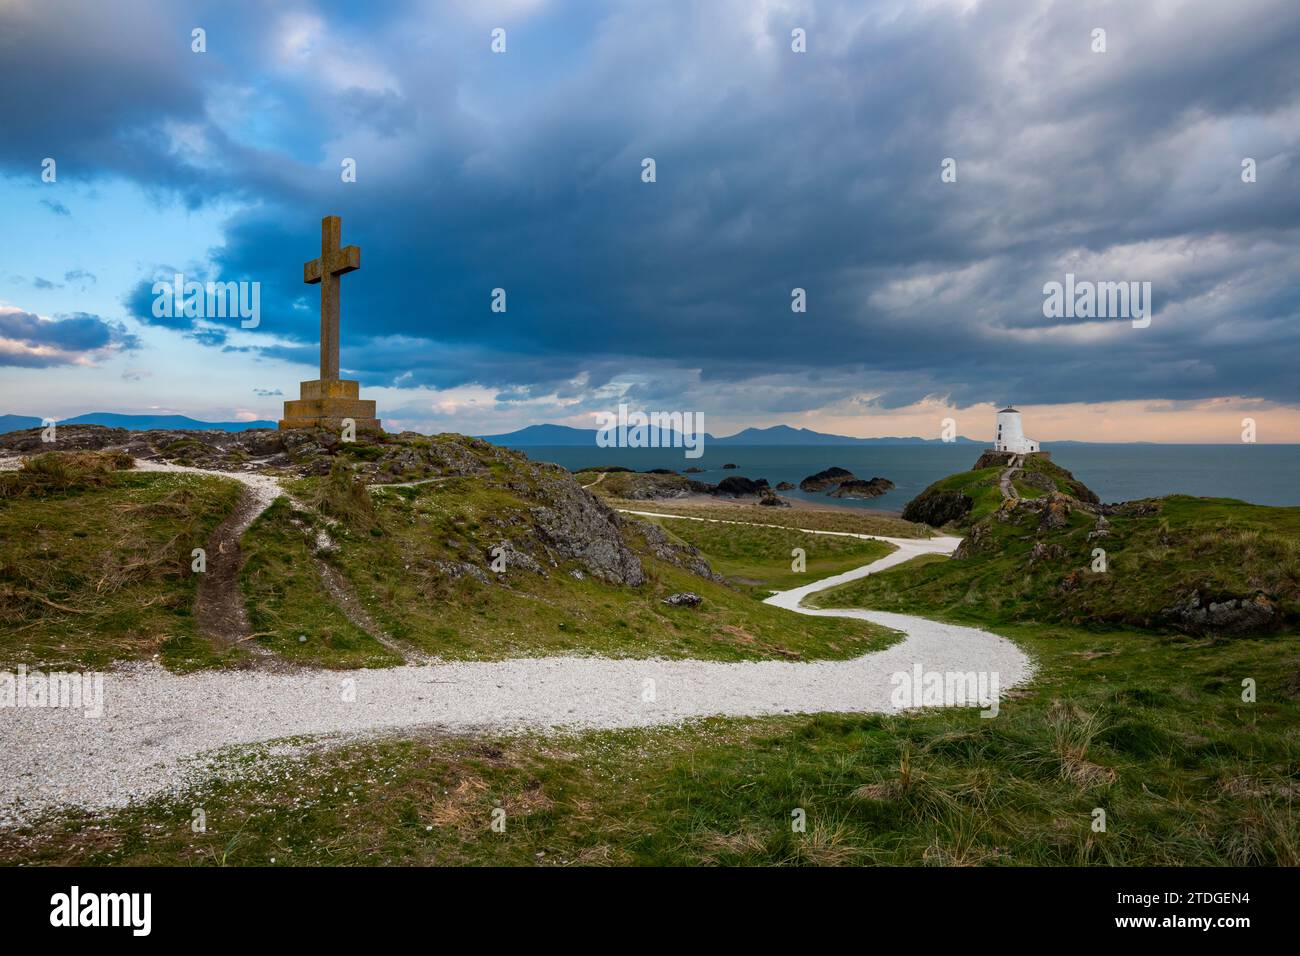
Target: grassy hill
[(1196, 565), (351, 570), (1143, 722)]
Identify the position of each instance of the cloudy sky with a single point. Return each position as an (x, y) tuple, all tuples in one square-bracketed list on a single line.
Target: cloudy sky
[(774, 170)]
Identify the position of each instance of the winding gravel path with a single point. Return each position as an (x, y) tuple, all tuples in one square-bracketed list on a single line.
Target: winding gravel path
[(160, 732)]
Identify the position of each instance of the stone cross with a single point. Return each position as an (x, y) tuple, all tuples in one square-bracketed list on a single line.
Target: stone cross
[(333, 262)]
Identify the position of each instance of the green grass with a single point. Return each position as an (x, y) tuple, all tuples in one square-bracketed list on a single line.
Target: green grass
[(759, 559), (392, 563), (859, 521), (287, 600), (1149, 727), (1151, 730), (95, 567)]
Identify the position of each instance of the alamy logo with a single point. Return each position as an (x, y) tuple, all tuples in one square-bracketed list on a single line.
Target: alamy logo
[(1098, 300), (103, 909), (922, 688), (213, 300), (68, 691), (653, 430)]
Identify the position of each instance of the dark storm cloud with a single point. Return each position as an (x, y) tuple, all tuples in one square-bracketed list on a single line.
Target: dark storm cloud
[(29, 341), (775, 170)]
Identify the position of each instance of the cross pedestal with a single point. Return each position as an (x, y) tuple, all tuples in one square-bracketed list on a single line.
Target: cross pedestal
[(326, 401)]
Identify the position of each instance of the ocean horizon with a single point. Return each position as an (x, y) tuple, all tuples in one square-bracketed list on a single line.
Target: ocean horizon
[(1259, 474)]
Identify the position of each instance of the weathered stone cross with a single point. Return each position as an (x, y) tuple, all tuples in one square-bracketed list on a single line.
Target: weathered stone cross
[(333, 262)]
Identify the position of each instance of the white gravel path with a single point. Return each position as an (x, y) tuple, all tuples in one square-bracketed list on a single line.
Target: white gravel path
[(159, 731)]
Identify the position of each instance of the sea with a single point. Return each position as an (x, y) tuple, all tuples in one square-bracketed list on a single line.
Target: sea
[(1260, 474)]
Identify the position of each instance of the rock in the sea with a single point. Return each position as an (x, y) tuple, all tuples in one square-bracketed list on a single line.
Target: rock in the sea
[(683, 599), (730, 465), (784, 486), (857, 488), (737, 487), (693, 470), (825, 479)]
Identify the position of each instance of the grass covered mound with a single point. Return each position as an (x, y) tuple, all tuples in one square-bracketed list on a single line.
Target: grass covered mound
[(53, 473), (761, 559), (1198, 565), (422, 569), (857, 521), (635, 485), (95, 564), (964, 498)]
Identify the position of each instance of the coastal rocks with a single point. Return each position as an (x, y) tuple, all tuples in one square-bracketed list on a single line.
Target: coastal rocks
[(826, 479), (462, 569), (693, 470), (1036, 479), (772, 500), (578, 527), (1042, 551), (857, 488), (683, 599), (511, 558), (979, 539), (647, 486), (680, 554), (784, 486), (736, 486), (730, 465), (937, 507), (1055, 513), (1133, 509), (1232, 616)]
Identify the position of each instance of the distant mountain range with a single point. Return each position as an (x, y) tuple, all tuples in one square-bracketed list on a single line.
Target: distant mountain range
[(135, 423), (562, 435)]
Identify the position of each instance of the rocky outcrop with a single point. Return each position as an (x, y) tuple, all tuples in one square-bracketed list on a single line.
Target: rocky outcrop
[(826, 479), (773, 500), (683, 599), (1055, 511), (857, 488), (730, 465), (937, 507), (647, 486), (576, 525), (674, 552), (1229, 616), (736, 486), (784, 486)]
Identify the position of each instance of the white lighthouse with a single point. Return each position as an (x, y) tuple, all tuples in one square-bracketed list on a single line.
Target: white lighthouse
[(1010, 435)]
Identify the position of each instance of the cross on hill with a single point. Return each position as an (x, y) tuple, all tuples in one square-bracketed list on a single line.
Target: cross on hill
[(325, 270), (330, 402)]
